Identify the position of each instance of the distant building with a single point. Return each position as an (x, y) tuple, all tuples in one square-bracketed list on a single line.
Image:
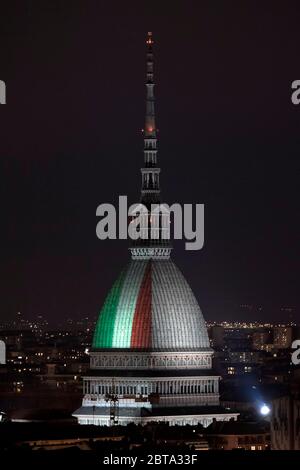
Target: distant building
[(217, 336), (16, 339), (238, 339), (261, 339), (56, 376), (244, 357), (282, 337), (241, 362)]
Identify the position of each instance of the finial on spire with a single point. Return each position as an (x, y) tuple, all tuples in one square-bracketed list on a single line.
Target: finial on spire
[(149, 38)]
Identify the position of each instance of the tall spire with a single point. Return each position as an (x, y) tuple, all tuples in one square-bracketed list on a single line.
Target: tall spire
[(155, 225), (150, 172)]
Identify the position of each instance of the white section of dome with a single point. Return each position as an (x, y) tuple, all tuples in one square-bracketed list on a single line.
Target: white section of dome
[(177, 321)]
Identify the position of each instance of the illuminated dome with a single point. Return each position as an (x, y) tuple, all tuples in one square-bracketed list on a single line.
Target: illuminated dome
[(151, 306), (150, 359)]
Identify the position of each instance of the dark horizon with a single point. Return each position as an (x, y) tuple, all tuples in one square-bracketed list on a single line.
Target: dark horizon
[(71, 140)]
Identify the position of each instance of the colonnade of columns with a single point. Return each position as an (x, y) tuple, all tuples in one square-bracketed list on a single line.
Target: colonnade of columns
[(161, 387)]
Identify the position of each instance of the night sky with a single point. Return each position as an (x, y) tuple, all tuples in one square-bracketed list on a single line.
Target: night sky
[(70, 139)]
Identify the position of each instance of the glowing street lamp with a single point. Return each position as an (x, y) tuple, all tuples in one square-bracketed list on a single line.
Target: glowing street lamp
[(265, 410)]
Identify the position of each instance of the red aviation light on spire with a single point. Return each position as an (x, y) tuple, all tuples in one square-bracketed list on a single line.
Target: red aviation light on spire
[(148, 130)]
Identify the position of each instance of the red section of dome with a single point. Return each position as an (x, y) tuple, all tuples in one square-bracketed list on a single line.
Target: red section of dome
[(141, 327)]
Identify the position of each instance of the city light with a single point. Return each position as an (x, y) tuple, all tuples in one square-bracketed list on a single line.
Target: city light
[(265, 410)]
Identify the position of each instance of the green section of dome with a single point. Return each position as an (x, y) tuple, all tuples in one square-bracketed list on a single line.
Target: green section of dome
[(103, 336), (130, 292)]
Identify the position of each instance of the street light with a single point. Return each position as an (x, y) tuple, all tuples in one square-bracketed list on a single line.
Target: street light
[(265, 410)]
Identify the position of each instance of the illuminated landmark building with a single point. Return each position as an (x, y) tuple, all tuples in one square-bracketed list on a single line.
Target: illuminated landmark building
[(151, 359)]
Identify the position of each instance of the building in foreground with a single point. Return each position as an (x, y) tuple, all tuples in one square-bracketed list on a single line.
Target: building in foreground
[(238, 435), (151, 358), (285, 423)]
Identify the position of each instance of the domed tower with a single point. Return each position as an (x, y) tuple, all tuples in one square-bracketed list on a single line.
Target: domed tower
[(150, 358)]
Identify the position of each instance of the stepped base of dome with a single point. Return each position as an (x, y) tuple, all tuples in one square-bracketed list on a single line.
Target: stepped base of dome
[(181, 416)]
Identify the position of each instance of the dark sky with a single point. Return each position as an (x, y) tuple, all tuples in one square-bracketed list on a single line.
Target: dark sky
[(70, 140)]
